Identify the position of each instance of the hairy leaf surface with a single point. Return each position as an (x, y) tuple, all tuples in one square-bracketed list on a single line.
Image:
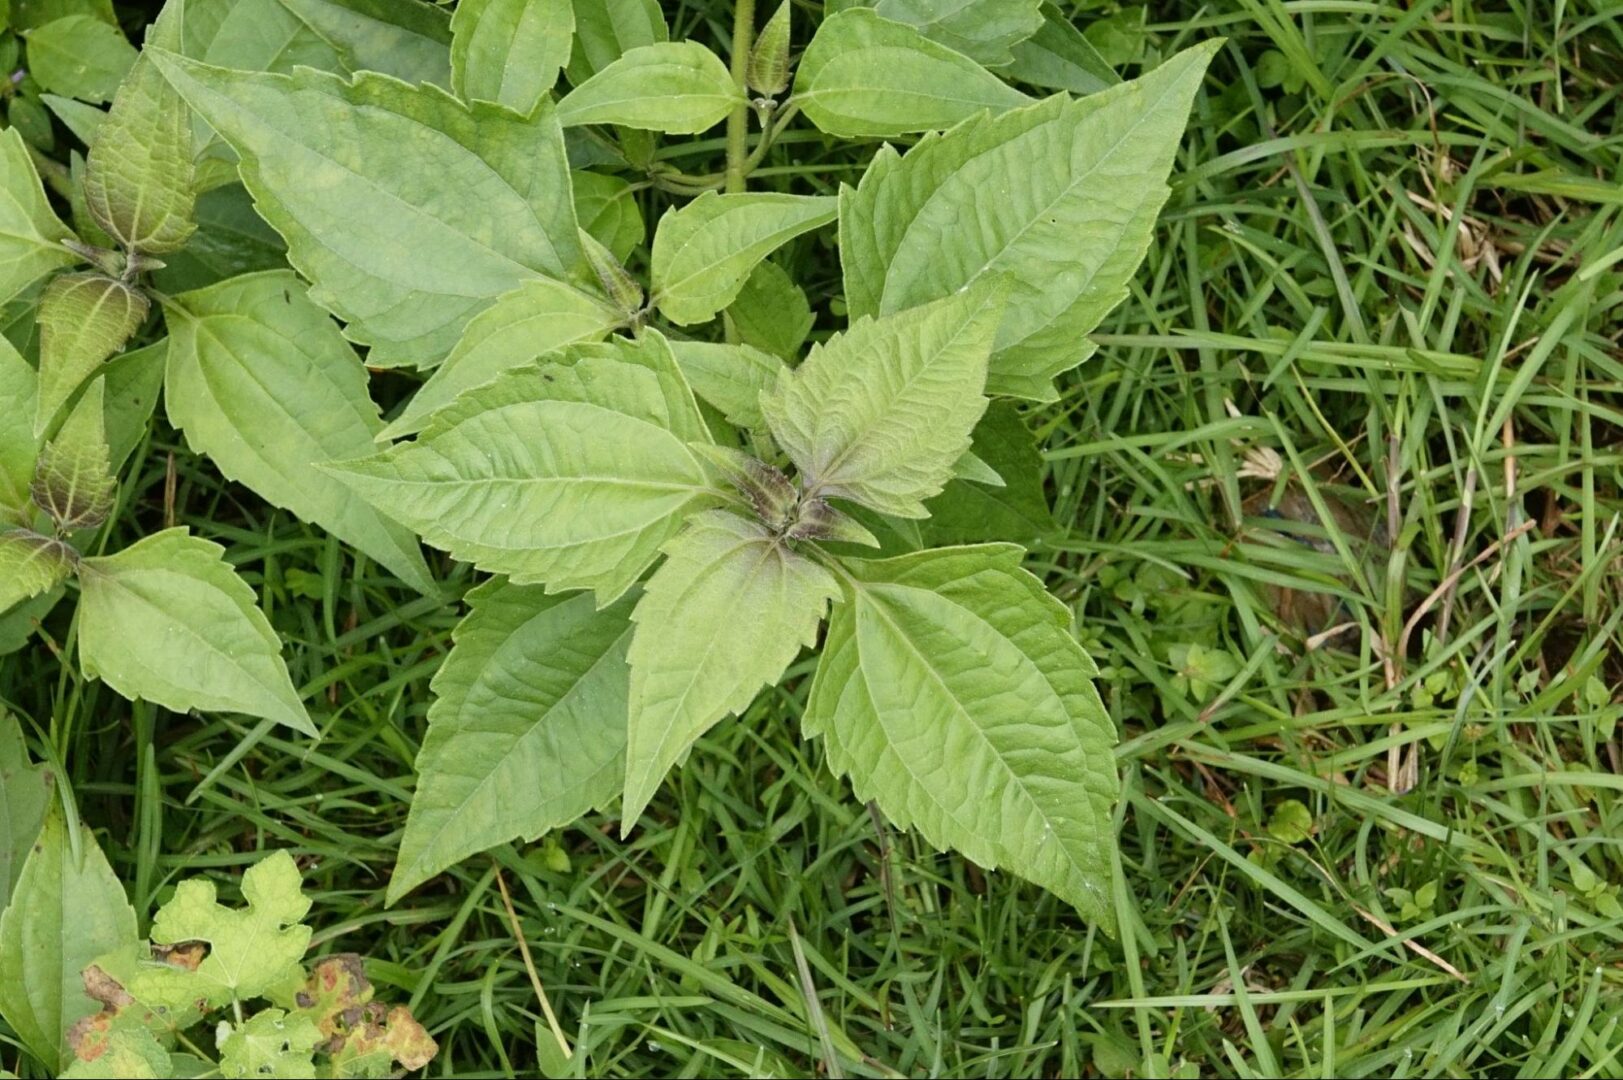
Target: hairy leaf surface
[(73, 480), (83, 319), (31, 564)]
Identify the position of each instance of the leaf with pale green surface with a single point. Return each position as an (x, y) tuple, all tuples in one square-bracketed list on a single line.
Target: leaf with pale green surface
[(606, 30), (730, 378), (32, 14), (863, 75), (31, 564), (253, 35), (768, 69), (537, 318), (678, 87), (25, 795), (1061, 197), (167, 620), (79, 56), (138, 175), (771, 312), (704, 251), (134, 382), (408, 39), (510, 51), (371, 185), (721, 618), (83, 319), (951, 692), (607, 208), (983, 30), (73, 479), (880, 413), (593, 473), (30, 233), (261, 380), (1059, 57), (19, 446), (67, 910), (270, 1043), (527, 730)]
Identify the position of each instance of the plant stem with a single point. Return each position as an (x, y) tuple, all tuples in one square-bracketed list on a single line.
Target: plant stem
[(738, 123)]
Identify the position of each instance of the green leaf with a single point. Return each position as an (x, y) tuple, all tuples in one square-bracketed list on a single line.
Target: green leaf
[(19, 446), (880, 413), (167, 620), (81, 119), (606, 30), (261, 381), (31, 564), (254, 35), (79, 56), (1092, 179), (68, 909), (863, 75), (405, 38), (952, 693), (722, 617), (771, 312), (251, 950), (1059, 57), (30, 234), (538, 318), (601, 478), (972, 511), (83, 319), (73, 479), (704, 251), (32, 14), (527, 728), (983, 30), (510, 51), (368, 182), (269, 1043), (768, 69), (138, 176), (678, 87), (607, 208), (25, 795), (231, 239), (730, 378), (133, 380)]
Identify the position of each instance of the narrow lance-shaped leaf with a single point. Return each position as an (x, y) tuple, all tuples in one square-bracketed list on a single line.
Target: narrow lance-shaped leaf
[(83, 319), (951, 692), (768, 70), (571, 474), (678, 87), (863, 75), (30, 233), (261, 381), (1061, 197), (409, 39), (527, 730), (408, 211), (510, 51), (722, 617), (704, 251), (168, 620), (31, 564), (880, 413), (138, 175), (73, 480)]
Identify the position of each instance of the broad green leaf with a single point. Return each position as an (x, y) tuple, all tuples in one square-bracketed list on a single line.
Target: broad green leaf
[(1059, 57), (539, 317), (1092, 179), (30, 234), (527, 729), (27, 114), (270, 1043), (1016, 509), (79, 56), (510, 51), (863, 75), (607, 208), (721, 618), (261, 380), (25, 795), (134, 382), (369, 184), (408, 39), (983, 30), (606, 30), (19, 446), (704, 251), (583, 500), (31, 564), (66, 912), (73, 479), (83, 319), (771, 312), (168, 620), (952, 693), (231, 239), (678, 87), (880, 413), (730, 378), (254, 35), (32, 14), (138, 175), (252, 949)]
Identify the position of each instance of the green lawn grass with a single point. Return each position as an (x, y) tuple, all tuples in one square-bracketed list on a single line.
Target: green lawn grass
[(1373, 812)]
